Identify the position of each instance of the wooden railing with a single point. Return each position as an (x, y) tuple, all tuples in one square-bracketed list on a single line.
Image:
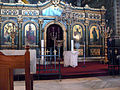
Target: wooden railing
[(8, 63)]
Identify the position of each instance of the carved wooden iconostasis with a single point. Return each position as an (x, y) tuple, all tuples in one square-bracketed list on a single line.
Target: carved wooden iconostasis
[(28, 24)]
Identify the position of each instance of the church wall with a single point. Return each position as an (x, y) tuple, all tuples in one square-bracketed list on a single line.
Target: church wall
[(117, 22)]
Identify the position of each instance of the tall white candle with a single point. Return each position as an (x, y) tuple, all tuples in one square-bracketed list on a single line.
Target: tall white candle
[(42, 51), (72, 45)]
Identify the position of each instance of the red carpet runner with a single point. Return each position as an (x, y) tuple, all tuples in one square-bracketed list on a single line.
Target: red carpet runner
[(90, 68)]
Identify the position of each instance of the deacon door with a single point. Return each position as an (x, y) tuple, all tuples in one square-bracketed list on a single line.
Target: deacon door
[(95, 41)]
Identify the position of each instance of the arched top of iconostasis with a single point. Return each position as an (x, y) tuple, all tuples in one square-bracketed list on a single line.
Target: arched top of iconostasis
[(53, 22), (78, 23), (29, 22), (95, 25)]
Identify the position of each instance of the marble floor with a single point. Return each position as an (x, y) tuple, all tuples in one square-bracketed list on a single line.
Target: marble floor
[(89, 83)]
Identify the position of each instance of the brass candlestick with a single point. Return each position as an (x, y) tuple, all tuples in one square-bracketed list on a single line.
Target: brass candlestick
[(107, 34), (13, 34)]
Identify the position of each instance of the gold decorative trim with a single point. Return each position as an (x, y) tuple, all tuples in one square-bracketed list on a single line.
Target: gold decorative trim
[(93, 12), (94, 19), (78, 11), (63, 28), (8, 46), (30, 16), (95, 45), (30, 8), (9, 16), (8, 7), (32, 46), (0, 19), (48, 16), (40, 16)]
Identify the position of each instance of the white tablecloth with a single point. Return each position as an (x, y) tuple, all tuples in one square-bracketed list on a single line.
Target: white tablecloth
[(70, 58), (22, 52)]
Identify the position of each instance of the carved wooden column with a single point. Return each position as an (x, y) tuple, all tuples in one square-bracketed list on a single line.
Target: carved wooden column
[(103, 33), (68, 35), (103, 37), (20, 21), (86, 36), (41, 39), (40, 32), (106, 47)]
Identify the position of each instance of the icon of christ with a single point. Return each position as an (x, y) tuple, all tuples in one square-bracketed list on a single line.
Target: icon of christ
[(30, 35)]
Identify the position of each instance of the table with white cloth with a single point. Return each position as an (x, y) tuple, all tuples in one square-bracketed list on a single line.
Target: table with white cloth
[(70, 58), (22, 52)]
